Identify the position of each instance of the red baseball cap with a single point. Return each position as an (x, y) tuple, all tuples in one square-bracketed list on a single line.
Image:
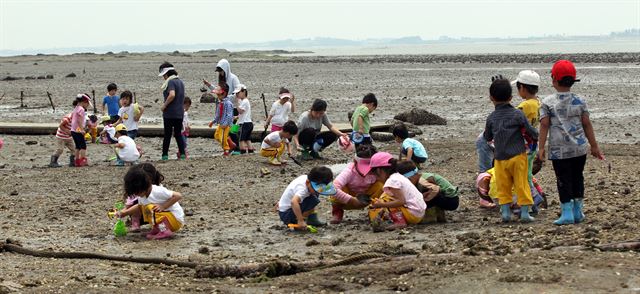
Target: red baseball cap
[(563, 68)]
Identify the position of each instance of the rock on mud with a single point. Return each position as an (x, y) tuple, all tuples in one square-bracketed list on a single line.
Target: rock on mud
[(71, 75), (419, 117), (207, 98)]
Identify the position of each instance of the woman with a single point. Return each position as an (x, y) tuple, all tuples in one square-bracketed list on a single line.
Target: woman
[(223, 68), (309, 137), (172, 109)]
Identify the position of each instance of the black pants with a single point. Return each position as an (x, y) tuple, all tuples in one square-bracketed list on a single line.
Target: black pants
[(569, 177), (172, 126), (309, 136), (446, 203), (365, 141)]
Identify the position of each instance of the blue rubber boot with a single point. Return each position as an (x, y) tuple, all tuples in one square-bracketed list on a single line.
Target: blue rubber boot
[(505, 211), (567, 214), (524, 214), (578, 216)]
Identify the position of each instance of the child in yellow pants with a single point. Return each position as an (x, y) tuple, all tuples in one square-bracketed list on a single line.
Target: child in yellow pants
[(274, 144), (223, 118)]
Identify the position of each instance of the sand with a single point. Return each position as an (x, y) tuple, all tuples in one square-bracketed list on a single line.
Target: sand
[(231, 204)]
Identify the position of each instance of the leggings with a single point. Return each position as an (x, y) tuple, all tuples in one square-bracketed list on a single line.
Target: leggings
[(446, 203), (569, 177), (172, 126), (309, 136)]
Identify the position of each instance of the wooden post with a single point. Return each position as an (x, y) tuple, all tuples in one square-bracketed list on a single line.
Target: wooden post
[(51, 101), (135, 99), (21, 99), (93, 94)]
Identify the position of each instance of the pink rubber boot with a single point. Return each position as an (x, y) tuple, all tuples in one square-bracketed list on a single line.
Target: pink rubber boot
[(164, 231)]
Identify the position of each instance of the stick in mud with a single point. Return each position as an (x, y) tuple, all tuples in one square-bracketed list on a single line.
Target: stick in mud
[(51, 101), (21, 99), (93, 95)]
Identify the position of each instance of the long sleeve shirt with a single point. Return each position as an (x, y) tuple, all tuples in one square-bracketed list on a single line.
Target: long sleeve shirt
[(224, 113), (504, 126)]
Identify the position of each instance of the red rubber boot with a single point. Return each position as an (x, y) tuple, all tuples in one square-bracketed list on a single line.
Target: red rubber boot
[(337, 213)]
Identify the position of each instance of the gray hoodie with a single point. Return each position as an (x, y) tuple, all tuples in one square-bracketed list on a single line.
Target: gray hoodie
[(232, 80)]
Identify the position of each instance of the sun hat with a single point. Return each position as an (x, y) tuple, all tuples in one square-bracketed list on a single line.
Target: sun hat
[(363, 165), (84, 97), (239, 88), (563, 68), (105, 118), (527, 77), (285, 95), (381, 159), (165, 70), (323, 189), (121, 127)]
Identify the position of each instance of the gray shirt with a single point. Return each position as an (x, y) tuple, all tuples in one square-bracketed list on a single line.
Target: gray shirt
[(306, 121), (504, 126), (566, 134)]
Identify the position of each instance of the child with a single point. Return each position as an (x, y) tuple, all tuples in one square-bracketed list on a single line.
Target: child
[(439, 194), (77, 129), (186, 125), (126, 150), (223, 118), (128, 115), (92, 126), (112, 102), (297, 203), (360, 120), (413, 149), (401, 200), (244, 119), (63, 139), (565, 118), (504, 126), (487, 191), (158, 205), (279, 113), (527, 85), (274, 144), (108, 134)]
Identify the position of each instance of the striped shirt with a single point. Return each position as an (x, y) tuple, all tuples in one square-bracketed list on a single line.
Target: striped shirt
[(64, 130), (504, 126)]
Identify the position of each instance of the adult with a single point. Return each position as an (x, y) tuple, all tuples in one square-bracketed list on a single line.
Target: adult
[(355, 186), (309, 137), (223, 68), (172, 109)]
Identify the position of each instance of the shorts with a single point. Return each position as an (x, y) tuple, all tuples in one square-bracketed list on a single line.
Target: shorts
[(309, 203), (245, 131), (78, 140), (132, 134), (114, 118), (275, 128), (157, 217)]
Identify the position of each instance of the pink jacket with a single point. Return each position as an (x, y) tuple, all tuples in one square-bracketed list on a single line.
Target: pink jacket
[(351, 179)]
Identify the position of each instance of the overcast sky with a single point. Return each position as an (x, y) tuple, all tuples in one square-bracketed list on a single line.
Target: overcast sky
[(43, 24)]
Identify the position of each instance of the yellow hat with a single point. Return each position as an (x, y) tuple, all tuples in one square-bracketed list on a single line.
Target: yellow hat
[(120, 127), (105, 118)]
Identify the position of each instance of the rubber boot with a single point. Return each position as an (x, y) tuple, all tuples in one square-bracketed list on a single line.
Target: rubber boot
[(54, 161), (232, 145), (337, 213), (313, 220), (440, 216), (399, 222), (566, 218), (578, 216), (77, 162), (72, 160), (165, 231), (505, 211), (524, 214), (154, 231), (430, 216), (84, 161)]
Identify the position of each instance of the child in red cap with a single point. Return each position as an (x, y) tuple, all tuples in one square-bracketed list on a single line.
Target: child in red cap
[(565, 119)]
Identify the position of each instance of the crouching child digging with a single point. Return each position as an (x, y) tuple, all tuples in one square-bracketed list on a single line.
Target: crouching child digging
[(297, 203)]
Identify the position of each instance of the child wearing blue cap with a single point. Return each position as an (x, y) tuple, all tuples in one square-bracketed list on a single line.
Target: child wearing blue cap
[(297, 203)]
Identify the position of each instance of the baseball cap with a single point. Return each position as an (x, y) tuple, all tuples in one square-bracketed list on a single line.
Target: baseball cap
[(165, 70), (84, 97), (121, 127), (219, 68), (323, 189), (239, 88), (285, 95), (527, 77), (563, 68), (381, 159)]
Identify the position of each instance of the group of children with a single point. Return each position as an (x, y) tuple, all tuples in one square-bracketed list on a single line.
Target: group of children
[(120, 128), (394, 191)]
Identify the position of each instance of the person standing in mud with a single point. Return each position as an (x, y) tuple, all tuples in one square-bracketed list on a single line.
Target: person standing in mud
[(565, 118), (223, 68), (309, 137), (172, 109)]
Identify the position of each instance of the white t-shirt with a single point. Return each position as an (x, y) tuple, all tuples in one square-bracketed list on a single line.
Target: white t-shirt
[(274, 137), (280, 113), (297, 187), (127, 115), (111, 131), (159, 195), (185, 121), (245, 105), (129, 152), (414, 201)]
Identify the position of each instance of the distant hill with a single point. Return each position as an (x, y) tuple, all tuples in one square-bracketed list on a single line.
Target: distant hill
[(310, 43)]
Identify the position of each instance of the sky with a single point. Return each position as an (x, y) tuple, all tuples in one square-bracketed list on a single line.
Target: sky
[(43, 24)]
